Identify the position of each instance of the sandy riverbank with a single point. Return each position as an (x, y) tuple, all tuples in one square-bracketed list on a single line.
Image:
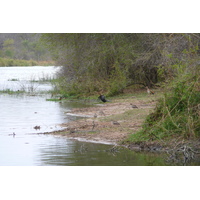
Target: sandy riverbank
[(109, 122), (113, 122)]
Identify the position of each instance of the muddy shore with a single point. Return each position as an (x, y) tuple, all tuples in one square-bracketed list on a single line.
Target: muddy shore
[(110, 122), (113, 122)]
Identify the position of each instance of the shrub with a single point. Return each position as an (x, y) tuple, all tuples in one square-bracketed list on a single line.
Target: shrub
[(177, 113), (117, 80)]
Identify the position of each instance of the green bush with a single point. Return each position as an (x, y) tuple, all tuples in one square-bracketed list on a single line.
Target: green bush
[(117, 80), (176, 114), (2, 62)]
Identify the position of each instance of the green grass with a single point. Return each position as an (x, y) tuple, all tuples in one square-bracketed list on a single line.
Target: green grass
[(176, 114), (134, 114), (7, 62), (13, 79), (138, 137), (53, 100), (8, 91)]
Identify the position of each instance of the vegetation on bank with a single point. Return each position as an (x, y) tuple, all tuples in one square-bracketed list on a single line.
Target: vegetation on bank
[(177, 114), (23, 46), (8, 91), (109, 63), (23, 49), (7, 62), (112, 63)]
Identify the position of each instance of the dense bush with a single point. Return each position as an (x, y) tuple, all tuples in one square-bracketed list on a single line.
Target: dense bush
[(176, 114), (109, 62)]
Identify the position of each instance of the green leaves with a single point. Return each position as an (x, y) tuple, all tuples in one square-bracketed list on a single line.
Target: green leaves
[(177, 113), (90, 59)]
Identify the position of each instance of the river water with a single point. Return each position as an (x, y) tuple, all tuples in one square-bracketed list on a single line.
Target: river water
[(20, 143)]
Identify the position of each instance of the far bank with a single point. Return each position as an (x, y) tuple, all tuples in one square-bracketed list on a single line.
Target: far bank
[(7, 62)]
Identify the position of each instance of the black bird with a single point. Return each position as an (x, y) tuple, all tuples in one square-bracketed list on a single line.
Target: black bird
[(102, 97)]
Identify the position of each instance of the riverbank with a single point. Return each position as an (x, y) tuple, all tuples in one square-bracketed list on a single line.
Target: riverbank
[(116, 121), (8, 62), (110, 122)]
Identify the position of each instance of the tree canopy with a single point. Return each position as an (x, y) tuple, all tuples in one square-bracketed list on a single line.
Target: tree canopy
[(110, 62), (23, 46)]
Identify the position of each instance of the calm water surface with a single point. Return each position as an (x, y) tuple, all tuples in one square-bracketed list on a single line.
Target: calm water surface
[(25, 78), (20, 113)]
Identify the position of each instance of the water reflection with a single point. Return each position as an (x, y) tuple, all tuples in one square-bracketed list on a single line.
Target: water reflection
[(74, 153), (20, 114)]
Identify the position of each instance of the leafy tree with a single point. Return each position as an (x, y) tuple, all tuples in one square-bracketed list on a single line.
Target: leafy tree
[(27, 46), (8, 48), (110, 62)]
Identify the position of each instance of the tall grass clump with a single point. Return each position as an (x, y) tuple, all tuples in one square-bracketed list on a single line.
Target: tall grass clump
[(177, 113)]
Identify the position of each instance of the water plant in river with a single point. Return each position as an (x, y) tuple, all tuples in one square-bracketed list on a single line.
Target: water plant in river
[(28, 86), (54, 99), (9, 91), (44, 78), (13, 79)]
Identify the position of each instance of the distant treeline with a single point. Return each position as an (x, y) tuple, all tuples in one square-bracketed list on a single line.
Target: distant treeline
[(7, 62), (22, 46)]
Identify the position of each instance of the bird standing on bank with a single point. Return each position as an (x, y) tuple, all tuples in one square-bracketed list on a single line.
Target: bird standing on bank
[(102, 98), (149, 91), (115, 123), (133, 106)]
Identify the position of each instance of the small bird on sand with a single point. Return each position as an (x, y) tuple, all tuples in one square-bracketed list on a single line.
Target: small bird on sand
[(115, 123), (133, 106), (149, 91), (101, 113), (102, 98), (71, 130)]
